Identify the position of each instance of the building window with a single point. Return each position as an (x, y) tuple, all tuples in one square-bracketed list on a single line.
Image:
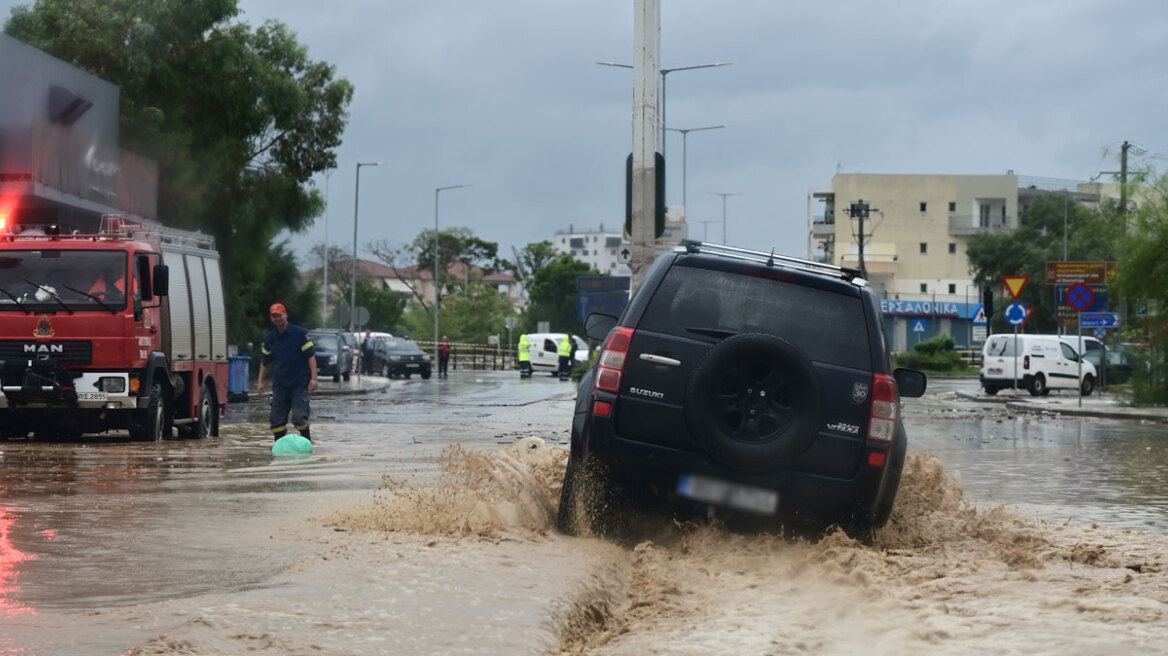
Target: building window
[(924, 206), (924, 287), (584, 253), (952, 248), (612, 251), (573, 253), (924, 248), (952, 206), (952, 288), (984, 217)]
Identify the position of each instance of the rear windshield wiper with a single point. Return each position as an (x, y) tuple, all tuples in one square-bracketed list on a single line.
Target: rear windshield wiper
[(98, 300), (51, 292), (720, 333), (16, 300)]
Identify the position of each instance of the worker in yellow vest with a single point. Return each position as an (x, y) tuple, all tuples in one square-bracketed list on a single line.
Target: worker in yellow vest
[(565, 357), (524, 357)]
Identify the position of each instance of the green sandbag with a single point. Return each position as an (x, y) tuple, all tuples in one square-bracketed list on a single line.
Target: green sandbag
[(292, 444)]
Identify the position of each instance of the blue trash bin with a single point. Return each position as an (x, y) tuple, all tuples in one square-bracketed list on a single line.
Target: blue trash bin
[(237, 377)]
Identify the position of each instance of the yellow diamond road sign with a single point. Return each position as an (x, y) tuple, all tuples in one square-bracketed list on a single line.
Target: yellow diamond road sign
[(1015, 284)]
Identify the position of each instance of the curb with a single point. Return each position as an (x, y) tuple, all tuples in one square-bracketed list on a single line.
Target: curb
[(1157, 415)]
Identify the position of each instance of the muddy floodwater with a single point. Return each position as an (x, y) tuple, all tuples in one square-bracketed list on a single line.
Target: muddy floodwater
[(422, 524)]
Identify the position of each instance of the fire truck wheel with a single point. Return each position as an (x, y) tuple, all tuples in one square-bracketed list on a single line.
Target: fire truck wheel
[(208, 424), (148, 424)]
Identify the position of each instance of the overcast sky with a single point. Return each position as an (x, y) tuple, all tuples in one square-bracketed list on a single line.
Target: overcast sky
[(506, 96)]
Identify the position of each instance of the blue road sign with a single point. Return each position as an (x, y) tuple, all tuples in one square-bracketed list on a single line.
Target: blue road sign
[(1015, 314), (979, 316), (1098, 319), (918, 326), (1080, 297)]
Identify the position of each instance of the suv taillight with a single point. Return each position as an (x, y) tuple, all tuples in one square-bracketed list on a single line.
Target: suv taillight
[(885, 405), (611, 363)]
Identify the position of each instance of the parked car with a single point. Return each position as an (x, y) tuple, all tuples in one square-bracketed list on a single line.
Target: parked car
[(1036, 363), (740, 382), (1120, 364), (334, 356), (393, 358)]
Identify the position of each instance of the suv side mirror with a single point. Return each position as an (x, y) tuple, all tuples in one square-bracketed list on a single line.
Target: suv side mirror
[(161, 286), (910, 382), (598, 325)]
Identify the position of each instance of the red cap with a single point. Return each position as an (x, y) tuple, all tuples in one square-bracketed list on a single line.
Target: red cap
[(277, 308)]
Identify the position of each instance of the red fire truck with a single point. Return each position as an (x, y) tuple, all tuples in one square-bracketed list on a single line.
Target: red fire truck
[(124, 329)]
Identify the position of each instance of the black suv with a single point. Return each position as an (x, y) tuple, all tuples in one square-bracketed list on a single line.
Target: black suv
[(334, 356), (393, 358), (756, 384)]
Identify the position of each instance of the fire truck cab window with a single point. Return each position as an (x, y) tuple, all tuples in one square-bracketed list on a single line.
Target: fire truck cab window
[(62, 280)]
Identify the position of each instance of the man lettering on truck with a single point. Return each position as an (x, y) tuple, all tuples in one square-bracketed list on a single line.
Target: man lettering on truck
[(289, 353)]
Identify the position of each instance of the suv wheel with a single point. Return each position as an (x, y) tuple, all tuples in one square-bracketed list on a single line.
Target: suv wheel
[(1088, 385), (753, 402)]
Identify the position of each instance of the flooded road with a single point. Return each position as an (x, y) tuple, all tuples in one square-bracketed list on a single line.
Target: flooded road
[(383, 541), (1081, 469)]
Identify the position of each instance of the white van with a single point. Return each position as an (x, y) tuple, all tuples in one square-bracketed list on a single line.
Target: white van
[(1039, 363), (545, 350)]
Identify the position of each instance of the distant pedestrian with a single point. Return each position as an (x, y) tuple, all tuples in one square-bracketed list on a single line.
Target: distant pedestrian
[(367, 347), (289, 353), (565, 357), (443, 357), (524, 357)]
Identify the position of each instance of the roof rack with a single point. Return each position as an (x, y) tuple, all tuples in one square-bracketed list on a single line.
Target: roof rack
[(771, 259)]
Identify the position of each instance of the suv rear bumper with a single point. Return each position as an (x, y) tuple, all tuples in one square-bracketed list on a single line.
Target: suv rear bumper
[(801, 495)]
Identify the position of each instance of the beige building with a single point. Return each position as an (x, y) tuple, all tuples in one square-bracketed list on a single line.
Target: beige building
[(915, 233)]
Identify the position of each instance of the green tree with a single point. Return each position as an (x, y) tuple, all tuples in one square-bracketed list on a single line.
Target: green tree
[(1090, 235), (239, 119), (475, 313), (385, 306), (529, 260), (1142, 276), (454, 245), (552, 295)]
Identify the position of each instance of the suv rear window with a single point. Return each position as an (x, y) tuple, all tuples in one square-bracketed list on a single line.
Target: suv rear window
[(827, 325)]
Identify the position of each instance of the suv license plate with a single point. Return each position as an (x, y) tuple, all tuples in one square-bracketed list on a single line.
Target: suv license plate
[(995, 371), (412, 365), (741, 497)]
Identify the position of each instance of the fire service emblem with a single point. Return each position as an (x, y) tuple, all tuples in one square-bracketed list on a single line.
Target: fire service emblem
[(44, 327)]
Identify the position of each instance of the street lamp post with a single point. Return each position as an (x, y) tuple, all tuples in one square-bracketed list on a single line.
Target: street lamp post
[(724, 194), (706, 228), (664, 72), (353, 282), (437, 296), (685, 156), (324, 308)]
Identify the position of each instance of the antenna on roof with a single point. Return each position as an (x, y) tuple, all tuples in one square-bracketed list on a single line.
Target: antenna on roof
[(771, 260)]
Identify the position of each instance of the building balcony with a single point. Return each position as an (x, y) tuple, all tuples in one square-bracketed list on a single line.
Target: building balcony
[(961, 225)]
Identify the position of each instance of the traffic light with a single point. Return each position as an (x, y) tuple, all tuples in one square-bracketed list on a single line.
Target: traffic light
[(987, 299), (658, 201)]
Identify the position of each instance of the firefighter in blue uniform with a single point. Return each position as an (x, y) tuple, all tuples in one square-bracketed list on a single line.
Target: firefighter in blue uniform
[(288, 352)]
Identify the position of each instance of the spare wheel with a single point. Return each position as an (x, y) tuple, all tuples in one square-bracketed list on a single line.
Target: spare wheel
[(753, 402)]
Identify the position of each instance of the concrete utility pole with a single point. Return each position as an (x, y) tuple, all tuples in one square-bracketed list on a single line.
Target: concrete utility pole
[(646, 75), (1123, 177), (860, 210)]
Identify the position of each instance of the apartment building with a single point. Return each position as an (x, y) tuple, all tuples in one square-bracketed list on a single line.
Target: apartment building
[(915, 232), (600, 248)]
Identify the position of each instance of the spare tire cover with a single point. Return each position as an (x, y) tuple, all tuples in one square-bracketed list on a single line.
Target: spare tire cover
[(753, 402)]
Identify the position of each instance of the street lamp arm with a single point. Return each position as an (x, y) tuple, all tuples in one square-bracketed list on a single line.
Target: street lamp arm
[(665, 71)]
